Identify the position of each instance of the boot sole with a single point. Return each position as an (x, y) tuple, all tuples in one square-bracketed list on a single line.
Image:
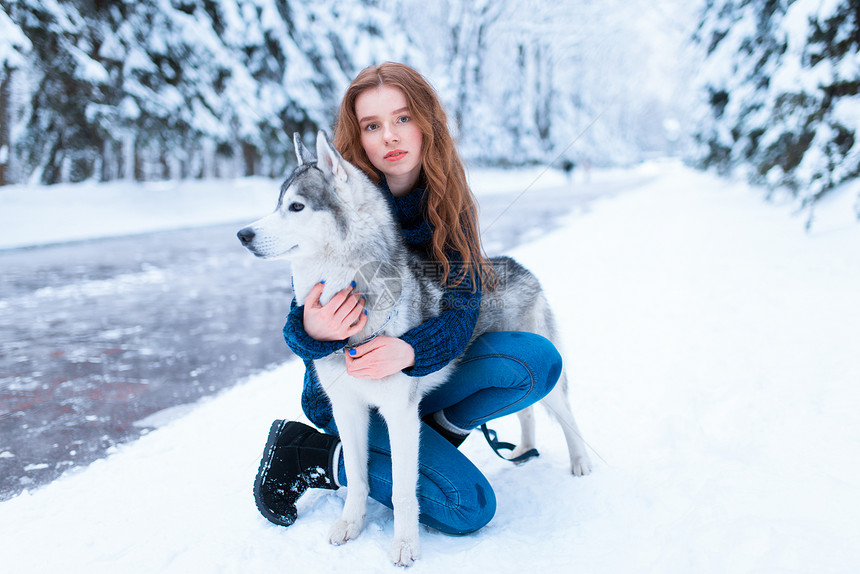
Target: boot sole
[(265, 463)]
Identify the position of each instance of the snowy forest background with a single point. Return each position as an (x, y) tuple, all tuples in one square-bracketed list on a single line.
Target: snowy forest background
[(161, 89)]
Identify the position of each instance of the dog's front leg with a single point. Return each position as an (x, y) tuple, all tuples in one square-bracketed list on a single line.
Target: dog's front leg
[(352, 422), (403, 431)]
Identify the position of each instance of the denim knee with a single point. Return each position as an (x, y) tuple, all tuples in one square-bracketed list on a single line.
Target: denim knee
[(467, 509), (500, 374), (544, 360), (535, 356)]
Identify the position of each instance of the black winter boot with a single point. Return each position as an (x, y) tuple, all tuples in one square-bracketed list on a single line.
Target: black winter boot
[(297, 457), (454, 438)]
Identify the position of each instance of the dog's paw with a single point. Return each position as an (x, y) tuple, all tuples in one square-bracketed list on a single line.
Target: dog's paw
[(343, 531), (580, 466), (404, 552)]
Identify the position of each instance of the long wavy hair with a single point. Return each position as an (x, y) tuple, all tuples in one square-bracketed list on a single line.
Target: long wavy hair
[(451, 208)]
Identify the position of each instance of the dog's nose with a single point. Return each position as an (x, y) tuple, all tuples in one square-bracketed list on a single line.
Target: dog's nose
[(246, 236)]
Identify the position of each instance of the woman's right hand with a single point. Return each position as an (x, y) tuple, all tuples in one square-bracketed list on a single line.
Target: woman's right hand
[(342, 317)]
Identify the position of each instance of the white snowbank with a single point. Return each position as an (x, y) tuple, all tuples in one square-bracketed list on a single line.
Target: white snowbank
[(713, 352), (39, 215)]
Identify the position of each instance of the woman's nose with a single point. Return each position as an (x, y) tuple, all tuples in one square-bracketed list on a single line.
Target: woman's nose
[(389, 133)]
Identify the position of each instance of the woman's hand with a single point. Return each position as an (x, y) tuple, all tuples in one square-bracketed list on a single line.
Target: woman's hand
[(379, 358), (342, 317)]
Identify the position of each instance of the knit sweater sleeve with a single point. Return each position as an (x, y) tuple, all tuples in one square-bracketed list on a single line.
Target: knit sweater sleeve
[(441, 339), (302, 344)]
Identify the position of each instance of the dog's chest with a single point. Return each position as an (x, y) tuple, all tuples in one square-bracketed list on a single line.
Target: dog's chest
[(396, 390)]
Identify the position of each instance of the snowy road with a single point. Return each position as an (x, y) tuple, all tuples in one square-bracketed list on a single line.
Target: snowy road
[(99, 335)]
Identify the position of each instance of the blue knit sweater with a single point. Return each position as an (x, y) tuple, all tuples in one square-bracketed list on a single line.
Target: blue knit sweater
[(436, 342)]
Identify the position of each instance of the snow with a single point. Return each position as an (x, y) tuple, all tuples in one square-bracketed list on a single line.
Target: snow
[(89, 69), (12, 39), (38, 215), (712, 345)]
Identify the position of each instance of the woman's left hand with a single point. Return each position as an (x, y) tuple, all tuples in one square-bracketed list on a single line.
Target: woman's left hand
[(379, 358)]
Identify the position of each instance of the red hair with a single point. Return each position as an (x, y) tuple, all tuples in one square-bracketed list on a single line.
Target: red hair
[(452, 210)]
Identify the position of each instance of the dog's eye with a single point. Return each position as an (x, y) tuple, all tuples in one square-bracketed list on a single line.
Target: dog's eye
[(295, 206)]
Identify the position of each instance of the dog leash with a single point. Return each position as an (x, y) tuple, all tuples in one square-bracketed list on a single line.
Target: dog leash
[(497, 445)]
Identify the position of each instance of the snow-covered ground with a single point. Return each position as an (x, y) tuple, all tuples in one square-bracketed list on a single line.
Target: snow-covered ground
[(715, 355)]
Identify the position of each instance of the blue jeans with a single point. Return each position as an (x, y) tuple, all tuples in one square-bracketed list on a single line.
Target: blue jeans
[(500, 374)]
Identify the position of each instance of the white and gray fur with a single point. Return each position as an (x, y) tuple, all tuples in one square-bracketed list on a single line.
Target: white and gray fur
[(331, 221)]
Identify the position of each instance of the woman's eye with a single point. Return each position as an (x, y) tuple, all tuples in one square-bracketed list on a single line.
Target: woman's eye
[(403, 119), (370, 127), (295, 206)]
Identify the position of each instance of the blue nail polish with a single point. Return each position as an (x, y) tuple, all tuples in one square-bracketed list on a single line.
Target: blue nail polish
[(365, 311), (352, 351), (352, 284), (322, 281)]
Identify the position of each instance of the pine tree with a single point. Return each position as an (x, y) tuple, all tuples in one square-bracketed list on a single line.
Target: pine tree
[(834, 153), (781, 81)]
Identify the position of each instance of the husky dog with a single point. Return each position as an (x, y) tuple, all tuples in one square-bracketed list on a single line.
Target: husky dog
[(333, 223)]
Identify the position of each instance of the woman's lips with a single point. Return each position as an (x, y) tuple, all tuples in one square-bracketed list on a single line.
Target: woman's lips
[(395, 155)]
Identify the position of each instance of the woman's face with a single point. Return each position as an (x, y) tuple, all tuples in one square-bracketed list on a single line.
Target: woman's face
[(391, 140)]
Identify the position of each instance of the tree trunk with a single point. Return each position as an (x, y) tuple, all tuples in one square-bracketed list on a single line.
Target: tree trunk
[(5, 119)]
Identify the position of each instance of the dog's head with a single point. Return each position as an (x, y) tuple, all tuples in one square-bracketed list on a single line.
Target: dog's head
[(311, 210)]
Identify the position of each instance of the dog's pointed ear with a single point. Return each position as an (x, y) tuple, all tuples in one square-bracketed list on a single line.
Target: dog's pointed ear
[(303, 156), (328, 159)]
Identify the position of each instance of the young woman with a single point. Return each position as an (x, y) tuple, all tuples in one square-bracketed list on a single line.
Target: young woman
[(392, 126)]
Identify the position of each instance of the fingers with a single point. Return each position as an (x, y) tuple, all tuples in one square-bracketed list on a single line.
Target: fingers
[(379, 358), (341, 317), (365, 348), (346, 306), (313, 298), (359, 320), (341, 303), (360, 363), (337, 300)]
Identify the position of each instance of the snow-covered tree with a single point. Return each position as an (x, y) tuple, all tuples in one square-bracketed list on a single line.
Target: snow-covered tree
[(531, 81), (151, 89), (782, 80), (57, 141), (155, 89), (13, 49)]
